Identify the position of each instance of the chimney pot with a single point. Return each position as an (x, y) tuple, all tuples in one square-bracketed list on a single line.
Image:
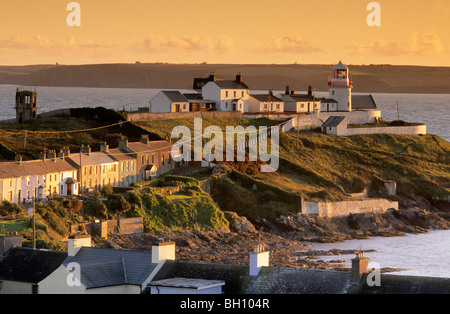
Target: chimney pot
[(360, 266), (144, 139), (76, 242), (162, 251), (18, 159), (104, 147), (258, 259)]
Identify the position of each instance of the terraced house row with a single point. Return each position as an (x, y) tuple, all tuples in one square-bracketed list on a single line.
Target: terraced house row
[(67, 174)]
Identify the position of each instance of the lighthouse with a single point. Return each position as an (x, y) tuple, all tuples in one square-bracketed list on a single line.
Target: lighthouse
[(341, 87)]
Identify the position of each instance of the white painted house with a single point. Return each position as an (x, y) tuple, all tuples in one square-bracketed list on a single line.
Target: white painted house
[(229, 95), (169, 101), (300, 103), (265, 103), (49, 176)]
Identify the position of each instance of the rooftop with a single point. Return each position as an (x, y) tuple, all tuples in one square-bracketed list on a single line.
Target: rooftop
[(34, 168), (30, 265)]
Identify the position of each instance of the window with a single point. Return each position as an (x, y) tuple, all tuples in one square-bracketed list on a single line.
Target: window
[(332, 92), (235, 94), (28, 181), (242, 94), (90, 170), (10, 183), (143, 159), (278, 106), (184, 107), (84, 171), (37, 179), (153, 159), (226, 94)]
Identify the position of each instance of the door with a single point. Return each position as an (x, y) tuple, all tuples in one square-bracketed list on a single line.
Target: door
[(69, 189)]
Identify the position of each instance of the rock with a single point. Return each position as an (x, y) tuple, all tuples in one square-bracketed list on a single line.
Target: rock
[(242, 225)]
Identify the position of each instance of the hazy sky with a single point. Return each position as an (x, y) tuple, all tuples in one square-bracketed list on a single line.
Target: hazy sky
[(225, 31)]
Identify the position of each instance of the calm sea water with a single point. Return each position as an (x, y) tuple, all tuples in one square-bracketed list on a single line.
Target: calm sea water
[(425, 255), (430, 109)]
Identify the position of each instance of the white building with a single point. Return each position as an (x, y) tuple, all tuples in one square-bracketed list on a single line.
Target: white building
[(341, 87), (300, 103), (49, 176), (229, 95), (169, 101), (265, 103)]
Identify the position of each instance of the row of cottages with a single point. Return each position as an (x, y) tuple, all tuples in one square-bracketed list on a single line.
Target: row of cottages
[(66, 173), (21, 181), (234, 95)]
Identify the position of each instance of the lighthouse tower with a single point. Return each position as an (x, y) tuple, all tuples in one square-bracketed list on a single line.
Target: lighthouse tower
[(341, 87)]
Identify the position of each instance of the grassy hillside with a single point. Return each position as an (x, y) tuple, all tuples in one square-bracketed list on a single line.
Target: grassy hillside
[(27, 139), (323, 167)]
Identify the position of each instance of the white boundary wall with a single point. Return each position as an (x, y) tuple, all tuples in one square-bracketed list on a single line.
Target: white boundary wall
[(345, 208)]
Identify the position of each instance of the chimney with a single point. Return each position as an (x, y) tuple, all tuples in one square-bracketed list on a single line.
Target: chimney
[(287, 91), (360, 266), (144, 139), (60, 154), (310, 91), (123, 143), (51, 155), (212, 77), (18, 159), (104, 147), (162, 251), (86, 150), (8, 241), (66, 151), (42, 156), (76, 242), (239, 78), (258, 259)]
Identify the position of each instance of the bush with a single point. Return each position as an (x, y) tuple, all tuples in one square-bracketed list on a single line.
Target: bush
[(93, 207)]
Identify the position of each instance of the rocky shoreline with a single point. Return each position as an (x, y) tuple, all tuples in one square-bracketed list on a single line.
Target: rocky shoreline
[(287, 237)]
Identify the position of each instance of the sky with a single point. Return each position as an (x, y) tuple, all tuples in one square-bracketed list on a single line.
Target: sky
[(412, 32)]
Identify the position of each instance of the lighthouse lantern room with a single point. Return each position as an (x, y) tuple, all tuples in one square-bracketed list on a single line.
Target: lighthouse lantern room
[(340, 87)]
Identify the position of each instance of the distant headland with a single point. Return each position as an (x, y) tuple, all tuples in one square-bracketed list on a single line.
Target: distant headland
[(371, 78)]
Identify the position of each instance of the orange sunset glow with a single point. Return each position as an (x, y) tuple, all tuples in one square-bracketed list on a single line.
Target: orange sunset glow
[(412, 32)]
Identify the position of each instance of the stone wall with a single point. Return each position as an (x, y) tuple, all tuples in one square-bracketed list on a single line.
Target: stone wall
[(145, 116), (336, 209), (405, 130)]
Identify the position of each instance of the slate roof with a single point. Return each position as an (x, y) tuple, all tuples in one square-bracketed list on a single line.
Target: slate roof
[(235, 276), (394, 284), (228, 84), (328, 100), (34, 168), (28, 265), (152, 146), (303, 97), (333, 121), (95, 158), (266, 97), (283, 280), (102, 267), (117, 154), (363, 102), (175, 96)]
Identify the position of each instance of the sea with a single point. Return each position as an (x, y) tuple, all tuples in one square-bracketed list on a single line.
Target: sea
[(418, 255)]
